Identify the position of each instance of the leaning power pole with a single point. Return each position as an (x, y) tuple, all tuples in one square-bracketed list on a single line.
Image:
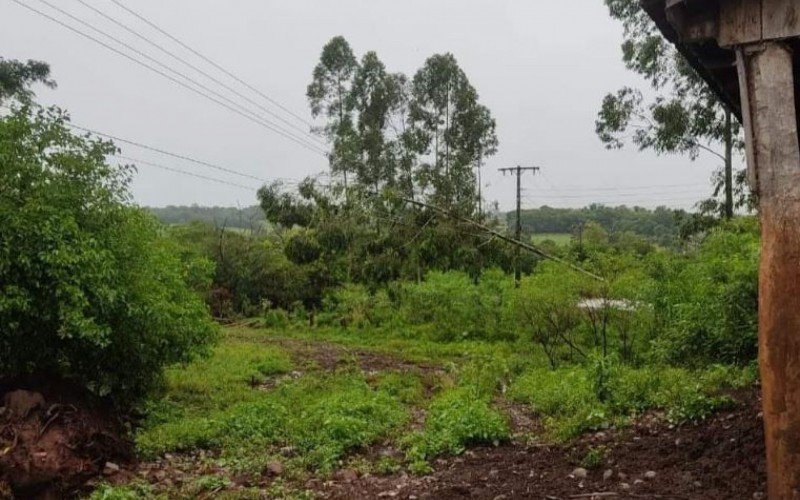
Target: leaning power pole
[(518, 230)]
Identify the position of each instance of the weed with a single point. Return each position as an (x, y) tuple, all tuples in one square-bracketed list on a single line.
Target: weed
[(455, 420), (594, 458)]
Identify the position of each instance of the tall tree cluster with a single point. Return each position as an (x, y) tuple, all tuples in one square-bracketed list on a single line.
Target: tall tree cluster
[(421, 136), (393, 140)]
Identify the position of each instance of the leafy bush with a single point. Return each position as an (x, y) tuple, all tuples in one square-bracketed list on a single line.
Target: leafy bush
[(451, 306), (354, 305), (88, 289), (456, 419), (568, 399), (707, 303)]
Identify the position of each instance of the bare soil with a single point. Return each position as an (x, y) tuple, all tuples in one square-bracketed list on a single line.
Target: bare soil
[(720, 458), (53, 438)]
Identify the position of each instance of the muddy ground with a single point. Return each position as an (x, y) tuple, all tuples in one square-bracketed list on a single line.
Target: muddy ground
[(721, 458)]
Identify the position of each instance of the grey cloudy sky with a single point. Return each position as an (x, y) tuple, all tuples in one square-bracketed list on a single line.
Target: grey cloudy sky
[(542, 67)]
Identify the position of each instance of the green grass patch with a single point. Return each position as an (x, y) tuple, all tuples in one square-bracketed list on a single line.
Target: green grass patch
[(455, 420), (557, 238), (568, 398)]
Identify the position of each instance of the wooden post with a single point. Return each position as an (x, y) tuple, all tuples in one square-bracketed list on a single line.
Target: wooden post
[(767, 91)]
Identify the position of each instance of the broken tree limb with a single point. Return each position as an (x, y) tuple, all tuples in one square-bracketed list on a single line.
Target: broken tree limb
[(499, 235)]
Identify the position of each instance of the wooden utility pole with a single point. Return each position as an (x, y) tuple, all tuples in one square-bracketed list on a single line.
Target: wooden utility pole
[(518, 230)]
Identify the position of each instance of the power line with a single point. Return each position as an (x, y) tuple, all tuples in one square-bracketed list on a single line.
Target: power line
[(167, 153), (617, 188), (199, 70), (185, 172), (210, 61), (245, 114), (259, 119)]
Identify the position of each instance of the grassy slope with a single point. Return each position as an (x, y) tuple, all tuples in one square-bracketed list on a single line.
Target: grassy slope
[(558, 238), (312, 401)]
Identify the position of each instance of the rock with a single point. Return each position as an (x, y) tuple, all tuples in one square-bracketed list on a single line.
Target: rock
[(21, 403), (650, 475), (607, 474), (758, 495), (697, 484), (385, 494), (500, 497), (622, 476), (638, 482), (624, 486), (275, 468), (580, 473), (110, 468)]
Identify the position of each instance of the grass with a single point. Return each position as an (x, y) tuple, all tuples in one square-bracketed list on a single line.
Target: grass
[(256, 401), (570, 402), (557, 238)]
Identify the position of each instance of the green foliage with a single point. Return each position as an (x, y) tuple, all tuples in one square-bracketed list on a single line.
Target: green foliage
[(594, 458), (17, 77), (213, 404), (90, 291), (708, 302), (248, 270), (660, 225), (450, 306), (685, 117), (569, 401), (134, 491), (455, 420)]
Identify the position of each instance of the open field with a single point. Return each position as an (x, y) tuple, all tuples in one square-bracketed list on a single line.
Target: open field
[(330, 413), (559, 238)]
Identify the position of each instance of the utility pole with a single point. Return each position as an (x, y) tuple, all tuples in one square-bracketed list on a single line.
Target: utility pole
[(518, 231)]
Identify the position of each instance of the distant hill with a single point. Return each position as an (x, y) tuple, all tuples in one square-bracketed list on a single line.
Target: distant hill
[(232, 217)]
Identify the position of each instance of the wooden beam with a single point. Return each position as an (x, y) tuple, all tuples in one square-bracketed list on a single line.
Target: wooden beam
[(781, 19), (775, 158), (739, 22)]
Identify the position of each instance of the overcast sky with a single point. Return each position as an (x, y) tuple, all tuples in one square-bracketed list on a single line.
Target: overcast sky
[(541, 67)]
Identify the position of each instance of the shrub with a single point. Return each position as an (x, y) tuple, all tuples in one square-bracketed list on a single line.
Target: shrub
[(88, 289), (708, 302), (451, 306), (456, 419)]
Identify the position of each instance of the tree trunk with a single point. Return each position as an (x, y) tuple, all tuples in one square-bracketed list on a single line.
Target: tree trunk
[(728, 165)]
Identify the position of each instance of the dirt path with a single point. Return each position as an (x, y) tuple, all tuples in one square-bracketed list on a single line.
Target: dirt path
[(721, 458)]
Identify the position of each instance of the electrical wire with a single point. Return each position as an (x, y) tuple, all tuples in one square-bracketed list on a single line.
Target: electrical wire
[(165, 75), (210, 61), (200, 71), (184, 172)]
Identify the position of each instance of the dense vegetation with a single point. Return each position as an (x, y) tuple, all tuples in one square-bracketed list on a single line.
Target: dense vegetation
[(89, 289), (379, 308)]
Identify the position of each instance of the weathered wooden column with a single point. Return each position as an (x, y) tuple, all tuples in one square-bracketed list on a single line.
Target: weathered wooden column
[(760, 34), (773, 154)]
